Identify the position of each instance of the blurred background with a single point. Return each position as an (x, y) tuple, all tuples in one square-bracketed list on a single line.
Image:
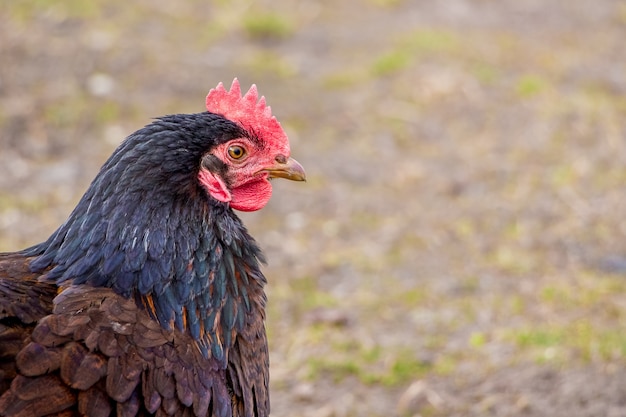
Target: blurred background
[(459, 248)]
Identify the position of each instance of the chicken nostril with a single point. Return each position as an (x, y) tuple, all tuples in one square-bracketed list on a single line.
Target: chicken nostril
[(281, 159)]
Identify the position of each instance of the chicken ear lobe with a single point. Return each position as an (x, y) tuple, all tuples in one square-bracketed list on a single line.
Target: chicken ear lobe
[(215, 186)]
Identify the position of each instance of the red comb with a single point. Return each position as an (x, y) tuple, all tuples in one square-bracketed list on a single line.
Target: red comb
[(249, 111)]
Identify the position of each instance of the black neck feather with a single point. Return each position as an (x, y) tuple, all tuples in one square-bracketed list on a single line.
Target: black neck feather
[(146, 229)]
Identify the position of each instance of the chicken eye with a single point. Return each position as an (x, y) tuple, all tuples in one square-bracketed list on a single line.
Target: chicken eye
[(236, 152)]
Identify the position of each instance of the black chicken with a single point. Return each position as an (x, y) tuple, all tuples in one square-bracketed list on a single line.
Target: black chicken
[(149, 299)]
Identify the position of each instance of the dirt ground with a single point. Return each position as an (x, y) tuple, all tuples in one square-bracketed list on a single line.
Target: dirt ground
[(459, 248)]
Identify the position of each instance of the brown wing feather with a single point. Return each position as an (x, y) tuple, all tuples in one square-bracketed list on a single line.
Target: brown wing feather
[(100, 351), (21, 295), (23, 301), (248, 370)]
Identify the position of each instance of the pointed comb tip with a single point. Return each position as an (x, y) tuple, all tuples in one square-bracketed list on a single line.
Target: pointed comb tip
[(248, 110), (252, 95), (235, 87)]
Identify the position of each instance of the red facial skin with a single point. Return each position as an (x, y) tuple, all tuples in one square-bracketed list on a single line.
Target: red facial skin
[(250, 188)]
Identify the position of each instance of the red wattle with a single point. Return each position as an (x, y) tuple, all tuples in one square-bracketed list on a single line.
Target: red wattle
[(251, 196)]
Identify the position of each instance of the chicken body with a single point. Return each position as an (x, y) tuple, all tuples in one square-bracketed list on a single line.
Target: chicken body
[(149, 299)]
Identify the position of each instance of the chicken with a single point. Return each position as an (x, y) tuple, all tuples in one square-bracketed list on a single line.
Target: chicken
[(149, 299)]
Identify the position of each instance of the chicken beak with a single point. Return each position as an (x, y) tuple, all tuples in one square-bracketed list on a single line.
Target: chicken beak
[(290, 170)]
